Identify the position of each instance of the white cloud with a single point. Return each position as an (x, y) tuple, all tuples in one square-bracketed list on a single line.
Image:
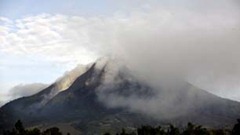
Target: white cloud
[(75, 37), (52, 36)]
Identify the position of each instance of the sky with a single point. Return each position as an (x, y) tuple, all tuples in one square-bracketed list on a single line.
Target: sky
[(196, 41)]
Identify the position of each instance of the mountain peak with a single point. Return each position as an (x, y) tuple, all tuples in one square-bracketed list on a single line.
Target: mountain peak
[(69, 77), (101, 62)]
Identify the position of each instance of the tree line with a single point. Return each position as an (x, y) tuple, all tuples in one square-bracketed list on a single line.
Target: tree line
[(19, 129), (190, 129)]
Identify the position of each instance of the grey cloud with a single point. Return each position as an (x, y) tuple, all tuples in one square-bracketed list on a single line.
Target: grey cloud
[(23, 90)]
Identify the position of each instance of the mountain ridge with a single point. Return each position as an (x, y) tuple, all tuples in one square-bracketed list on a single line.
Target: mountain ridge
[(101, 96)]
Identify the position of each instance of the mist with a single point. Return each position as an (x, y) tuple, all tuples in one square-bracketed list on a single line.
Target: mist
[(122, 87), (23, 90)]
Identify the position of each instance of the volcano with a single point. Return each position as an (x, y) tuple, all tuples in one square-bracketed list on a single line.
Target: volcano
[(104, 96)]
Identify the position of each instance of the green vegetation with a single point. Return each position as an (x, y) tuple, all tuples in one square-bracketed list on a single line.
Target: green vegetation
[(190, 129)]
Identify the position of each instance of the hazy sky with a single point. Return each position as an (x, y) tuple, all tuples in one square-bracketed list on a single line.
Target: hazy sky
[(195, 40)]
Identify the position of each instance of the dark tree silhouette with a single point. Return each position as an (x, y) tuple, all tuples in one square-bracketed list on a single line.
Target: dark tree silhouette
[(195, 130), (35, 131), (218, 132), (20, 130), (52, 131), (19, 127), (172, 131), (236, 128)]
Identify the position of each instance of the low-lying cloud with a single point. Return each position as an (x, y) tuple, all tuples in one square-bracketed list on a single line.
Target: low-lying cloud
[(23, 90)]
